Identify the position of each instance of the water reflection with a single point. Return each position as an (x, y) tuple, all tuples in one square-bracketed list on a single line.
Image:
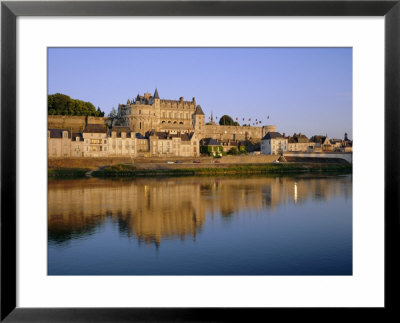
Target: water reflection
[(152, 210)]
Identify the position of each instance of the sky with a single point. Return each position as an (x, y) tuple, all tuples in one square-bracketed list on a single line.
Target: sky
[(306, 90)]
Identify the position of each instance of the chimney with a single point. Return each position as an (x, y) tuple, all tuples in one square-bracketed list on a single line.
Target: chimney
[(181, 99)]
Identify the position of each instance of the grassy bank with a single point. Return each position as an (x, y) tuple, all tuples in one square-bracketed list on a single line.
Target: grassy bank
[(67, 172), (290, 168)]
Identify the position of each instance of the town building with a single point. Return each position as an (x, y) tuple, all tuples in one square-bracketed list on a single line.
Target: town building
[(167, 144), (59, 143), (95, 141), (121, 142), (274, 143), (211, 147), (150, 126), (300, 142), (322, 143)]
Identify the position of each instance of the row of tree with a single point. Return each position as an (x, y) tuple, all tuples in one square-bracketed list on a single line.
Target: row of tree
[(61, 104)]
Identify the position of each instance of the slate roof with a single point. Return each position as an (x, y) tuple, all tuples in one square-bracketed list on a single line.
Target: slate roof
[(298, 139), (186, 137), (57, 133), (210, 142), (273, 135), (319, 139), (95, 128), (156, 96), (199, 110), (140, 136), (76, 134), (120, 129)]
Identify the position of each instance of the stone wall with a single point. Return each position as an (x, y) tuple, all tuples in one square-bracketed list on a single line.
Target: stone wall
[(346, 156), (249, 159), (74, 123), (231, 132), (236, 132)]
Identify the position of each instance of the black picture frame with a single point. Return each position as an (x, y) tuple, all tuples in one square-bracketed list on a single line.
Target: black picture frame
[(10, 10)]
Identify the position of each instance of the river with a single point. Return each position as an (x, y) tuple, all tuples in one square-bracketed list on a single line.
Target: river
[(298, 225)]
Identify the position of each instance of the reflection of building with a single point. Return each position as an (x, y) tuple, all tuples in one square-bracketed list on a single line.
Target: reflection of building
[(153, 209)]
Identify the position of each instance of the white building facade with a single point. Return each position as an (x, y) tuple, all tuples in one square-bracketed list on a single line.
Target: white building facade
[(273, 143)]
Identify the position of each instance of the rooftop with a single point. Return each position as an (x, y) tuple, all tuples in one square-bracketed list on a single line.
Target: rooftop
[(57, 133), (95, 128), (273, 135)]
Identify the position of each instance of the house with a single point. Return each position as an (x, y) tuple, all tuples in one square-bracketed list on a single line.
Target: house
[(167, 144), (95, 141), (76, 144), (211, 147), (299, 142), (273, 143), (122, 142), (322, 143), (59, 142)]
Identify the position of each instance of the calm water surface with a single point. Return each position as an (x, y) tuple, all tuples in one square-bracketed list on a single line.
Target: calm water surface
[(201, 226)]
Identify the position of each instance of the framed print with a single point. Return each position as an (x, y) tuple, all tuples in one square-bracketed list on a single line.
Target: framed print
[(195, 161)]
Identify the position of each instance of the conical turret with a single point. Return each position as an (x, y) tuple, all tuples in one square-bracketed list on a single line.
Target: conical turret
[(156, 96)]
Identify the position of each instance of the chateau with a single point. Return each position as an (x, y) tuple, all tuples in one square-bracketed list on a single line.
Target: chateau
[(149, 126), (145, 126), (150, 113)]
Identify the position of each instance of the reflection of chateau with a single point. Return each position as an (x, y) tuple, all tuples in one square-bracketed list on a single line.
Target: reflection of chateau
[(153, 210)]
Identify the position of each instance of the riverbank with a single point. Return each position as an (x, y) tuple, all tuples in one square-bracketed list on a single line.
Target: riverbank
[(94, 163), (67, 172), (128, 170)]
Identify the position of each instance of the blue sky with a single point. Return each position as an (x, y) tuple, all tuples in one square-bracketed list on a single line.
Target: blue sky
[(307, 90)]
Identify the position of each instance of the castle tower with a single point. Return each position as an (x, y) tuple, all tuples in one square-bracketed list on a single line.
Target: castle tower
[(157, 110), (156, 96), (198, 119)]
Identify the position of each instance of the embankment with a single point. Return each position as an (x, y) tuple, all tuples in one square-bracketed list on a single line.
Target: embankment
[(94, 163), (207, 170)]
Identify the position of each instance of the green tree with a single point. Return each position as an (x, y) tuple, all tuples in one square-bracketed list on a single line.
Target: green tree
[(61, 104), (227, 121), (233, 151)]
